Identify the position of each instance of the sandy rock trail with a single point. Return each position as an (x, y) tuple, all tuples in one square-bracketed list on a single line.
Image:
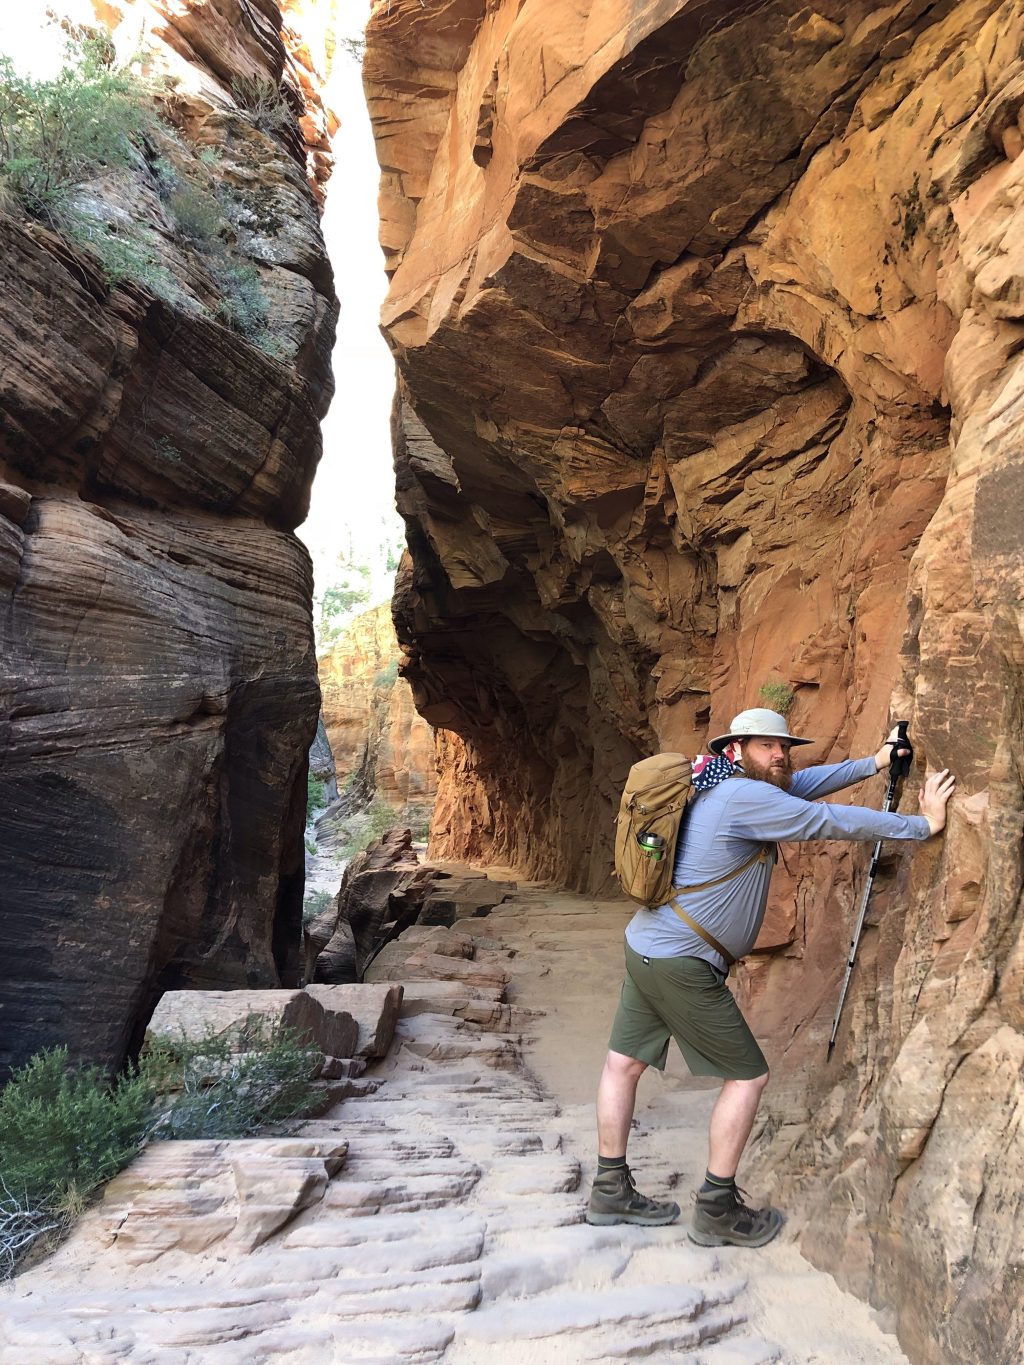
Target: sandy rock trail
[(439, 1217)]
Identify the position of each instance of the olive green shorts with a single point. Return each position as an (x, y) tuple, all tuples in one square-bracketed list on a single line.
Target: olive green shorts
[(684, 998)]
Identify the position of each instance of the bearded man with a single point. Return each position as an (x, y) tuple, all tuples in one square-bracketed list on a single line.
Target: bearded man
[(746, 797)]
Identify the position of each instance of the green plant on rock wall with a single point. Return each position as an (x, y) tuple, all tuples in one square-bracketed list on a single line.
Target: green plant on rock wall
[(777, 696), (315, 904), (368, 825), (198, 216), (262, 102), (355, 48), (96, 117), (120, 257), (385, 679), (58, 133), (243, 304), (316, 795)]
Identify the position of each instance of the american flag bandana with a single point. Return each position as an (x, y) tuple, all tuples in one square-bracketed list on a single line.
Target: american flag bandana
[(708, 770)]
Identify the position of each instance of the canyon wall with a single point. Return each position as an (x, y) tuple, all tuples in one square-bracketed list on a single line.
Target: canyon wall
[(708, 321), (381, 745), (165, 356)]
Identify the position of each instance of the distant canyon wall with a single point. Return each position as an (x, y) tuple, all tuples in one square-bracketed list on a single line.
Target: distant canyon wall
[(381, 745), (159, 434), (708, 321)]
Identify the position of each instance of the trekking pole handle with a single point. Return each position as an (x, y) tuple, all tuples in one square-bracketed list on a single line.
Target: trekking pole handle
[(899, 765)]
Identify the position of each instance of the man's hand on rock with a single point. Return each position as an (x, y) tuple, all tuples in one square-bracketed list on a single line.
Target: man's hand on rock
[(933, 797), (886, 753)]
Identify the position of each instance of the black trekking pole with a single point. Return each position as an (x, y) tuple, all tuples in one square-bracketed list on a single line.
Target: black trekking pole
[(898, 769)]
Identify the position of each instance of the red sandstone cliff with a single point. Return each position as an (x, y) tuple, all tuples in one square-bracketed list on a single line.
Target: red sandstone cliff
[(379, 742), (156, 451), (708, 322)]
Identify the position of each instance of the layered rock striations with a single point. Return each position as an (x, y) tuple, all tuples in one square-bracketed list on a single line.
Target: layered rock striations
[(707, 319), (159, 437)]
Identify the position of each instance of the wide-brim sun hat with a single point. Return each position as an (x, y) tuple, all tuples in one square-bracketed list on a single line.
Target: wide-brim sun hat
[(757, 723)]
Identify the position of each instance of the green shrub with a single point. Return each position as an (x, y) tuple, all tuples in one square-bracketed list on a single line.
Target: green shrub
[(386, 678), (59, 133), (261, 100), (382, 818), (354, 48), (227, 1093), (316, 795), (64, 1130), (370, 824), (168, 451), (198, 215), (243, 305), (315, 904), (777, 696), (120, 258)]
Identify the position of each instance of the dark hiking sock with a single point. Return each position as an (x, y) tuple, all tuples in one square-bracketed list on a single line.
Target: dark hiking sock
[(717, 1184), (611, 1163)]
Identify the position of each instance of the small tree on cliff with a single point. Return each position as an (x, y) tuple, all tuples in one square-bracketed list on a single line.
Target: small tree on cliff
[(343, 598), (58, 133)]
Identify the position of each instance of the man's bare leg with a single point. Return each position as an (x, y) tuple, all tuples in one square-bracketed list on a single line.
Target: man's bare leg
[(721, 1218), (616, 1099), (731, 1121), (614, 1197)]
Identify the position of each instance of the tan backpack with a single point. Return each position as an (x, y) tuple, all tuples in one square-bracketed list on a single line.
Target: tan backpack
[(647, 827)]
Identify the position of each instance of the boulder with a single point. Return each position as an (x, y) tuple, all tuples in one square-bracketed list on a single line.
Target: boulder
[(323, 1022), (462, 899), (374, 1007)]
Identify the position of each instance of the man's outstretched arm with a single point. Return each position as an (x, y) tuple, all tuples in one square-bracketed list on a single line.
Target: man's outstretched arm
[(826, 778), (763, 812)]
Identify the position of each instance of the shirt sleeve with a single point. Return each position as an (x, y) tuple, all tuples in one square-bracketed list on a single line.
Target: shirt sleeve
[(827, 778), (762, 812)]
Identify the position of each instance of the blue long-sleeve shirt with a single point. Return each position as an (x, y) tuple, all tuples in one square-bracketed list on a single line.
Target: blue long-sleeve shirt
[(723, 827)]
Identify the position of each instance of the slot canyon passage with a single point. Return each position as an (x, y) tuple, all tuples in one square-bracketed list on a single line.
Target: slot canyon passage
[(707, 320)]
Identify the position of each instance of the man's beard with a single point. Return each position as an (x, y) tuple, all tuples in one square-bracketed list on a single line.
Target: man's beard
[(779, 772)]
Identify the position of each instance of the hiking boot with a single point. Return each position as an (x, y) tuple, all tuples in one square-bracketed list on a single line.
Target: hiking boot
[(615, 1198), (721, 1219)]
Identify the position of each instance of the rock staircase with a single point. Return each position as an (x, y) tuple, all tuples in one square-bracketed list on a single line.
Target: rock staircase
[(438, 1218)]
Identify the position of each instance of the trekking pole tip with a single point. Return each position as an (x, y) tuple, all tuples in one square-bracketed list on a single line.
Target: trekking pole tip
[(831, 1049)]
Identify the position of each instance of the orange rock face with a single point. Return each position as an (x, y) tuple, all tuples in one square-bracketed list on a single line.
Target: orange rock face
[(375, 733), (707, 321), (159, 678)]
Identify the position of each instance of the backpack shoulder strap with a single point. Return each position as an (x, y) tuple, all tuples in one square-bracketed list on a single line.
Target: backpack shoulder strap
[(708, 938), (759, 857)]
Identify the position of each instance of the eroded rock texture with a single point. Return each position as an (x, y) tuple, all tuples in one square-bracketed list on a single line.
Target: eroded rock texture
[(708, 320), (159, 689)]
